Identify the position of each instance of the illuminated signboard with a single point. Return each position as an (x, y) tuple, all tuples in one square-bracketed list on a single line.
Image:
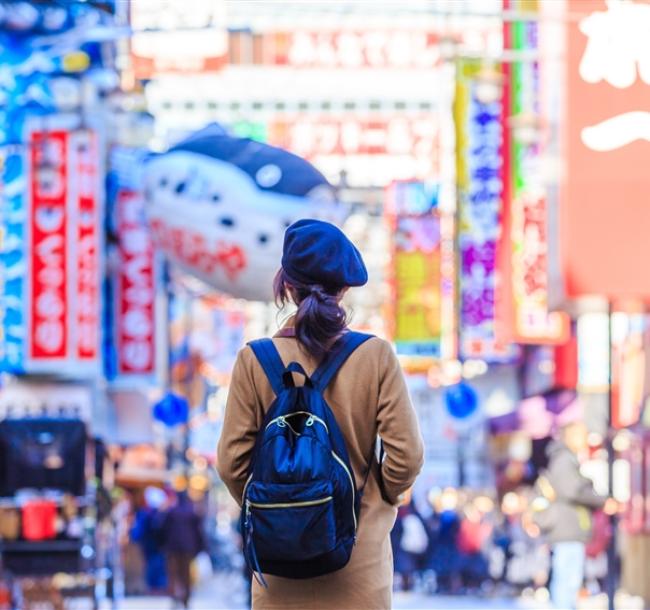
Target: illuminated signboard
[(479, 138), (88, 225), (423, 271), (605, 212), (13, 260), (49, 272), (181, 36), (371, 149), (533, 323), (135, 312)]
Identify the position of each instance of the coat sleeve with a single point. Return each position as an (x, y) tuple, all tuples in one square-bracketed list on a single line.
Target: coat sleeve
[(240, 427), (398, 428)]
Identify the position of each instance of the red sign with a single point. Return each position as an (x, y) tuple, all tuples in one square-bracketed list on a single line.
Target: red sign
[(48, 222), (194, 250), (136, 322), (87, 297), (605, 206), (533, 321)]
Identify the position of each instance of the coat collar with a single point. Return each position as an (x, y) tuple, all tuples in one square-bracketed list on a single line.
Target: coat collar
[(288, 328)]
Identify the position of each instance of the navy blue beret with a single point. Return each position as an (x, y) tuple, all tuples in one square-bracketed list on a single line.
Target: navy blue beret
[(317, 252)]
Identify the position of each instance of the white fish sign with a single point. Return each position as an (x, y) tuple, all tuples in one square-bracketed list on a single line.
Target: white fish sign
[(218, 207)]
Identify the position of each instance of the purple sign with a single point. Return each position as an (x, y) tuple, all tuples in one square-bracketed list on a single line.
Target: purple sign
[(480, 199)]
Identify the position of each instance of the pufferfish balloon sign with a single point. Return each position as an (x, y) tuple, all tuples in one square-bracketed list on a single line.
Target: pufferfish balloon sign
[(218, 207)]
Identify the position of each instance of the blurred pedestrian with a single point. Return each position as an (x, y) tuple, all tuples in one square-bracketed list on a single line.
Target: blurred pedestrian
[(184, 538), (472, 536), (410, 542), (367, 396), (147, 533), (567, 519)]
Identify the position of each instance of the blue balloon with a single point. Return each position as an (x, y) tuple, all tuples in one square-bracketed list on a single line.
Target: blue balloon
[(172, 410), (461, 400)]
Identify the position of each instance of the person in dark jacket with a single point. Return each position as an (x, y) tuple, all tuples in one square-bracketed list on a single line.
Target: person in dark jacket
[(567, 519), (147, 534), (184, 539)]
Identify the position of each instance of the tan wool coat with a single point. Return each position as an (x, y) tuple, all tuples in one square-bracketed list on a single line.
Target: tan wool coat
[(368, 397)]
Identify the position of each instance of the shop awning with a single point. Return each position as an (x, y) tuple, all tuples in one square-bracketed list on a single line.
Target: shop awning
[(539, 416)]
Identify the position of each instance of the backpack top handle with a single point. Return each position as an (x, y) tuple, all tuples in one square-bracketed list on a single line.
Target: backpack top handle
[(287, 376)]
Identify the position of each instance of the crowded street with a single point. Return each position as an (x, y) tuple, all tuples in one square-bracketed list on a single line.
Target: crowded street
[(324, 304)]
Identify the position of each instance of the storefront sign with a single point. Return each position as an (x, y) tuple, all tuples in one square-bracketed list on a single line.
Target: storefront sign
[(353, 48), (49, 272), (533, 323), (87, 244), (135, 323), (185, 36), (605, 205), (310, 135), (479, 140), (13, 259), (370, 150), (423, 274), (361, 49)]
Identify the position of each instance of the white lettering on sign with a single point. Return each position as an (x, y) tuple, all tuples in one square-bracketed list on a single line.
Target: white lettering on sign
[(48, 220), (617, 52), (88, 279), (618, 45), (136, 313), (373, 49)]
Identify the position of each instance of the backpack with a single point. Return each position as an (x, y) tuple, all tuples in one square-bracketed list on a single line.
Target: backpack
[(300, 502)]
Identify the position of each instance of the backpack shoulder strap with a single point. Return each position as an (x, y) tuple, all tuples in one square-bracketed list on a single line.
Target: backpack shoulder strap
[(336, 357), (270, 361)]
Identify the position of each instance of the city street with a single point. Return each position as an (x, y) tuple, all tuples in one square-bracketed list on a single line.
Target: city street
[(283, 277), (224, 592)]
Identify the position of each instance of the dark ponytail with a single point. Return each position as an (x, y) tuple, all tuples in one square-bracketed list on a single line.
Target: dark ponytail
[(320, 318)]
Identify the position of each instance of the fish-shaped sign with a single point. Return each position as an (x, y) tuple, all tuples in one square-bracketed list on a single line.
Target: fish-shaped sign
[(218, 206)]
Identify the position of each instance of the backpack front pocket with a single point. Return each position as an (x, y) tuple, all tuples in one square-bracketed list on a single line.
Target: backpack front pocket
[(292, 529)]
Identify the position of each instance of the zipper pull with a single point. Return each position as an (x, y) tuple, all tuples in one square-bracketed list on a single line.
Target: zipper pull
[(247, 513)]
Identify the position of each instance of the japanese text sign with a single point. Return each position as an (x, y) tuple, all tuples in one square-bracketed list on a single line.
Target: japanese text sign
[(605, 206), (136, 295)]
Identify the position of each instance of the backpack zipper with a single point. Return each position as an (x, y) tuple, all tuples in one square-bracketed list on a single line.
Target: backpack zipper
[(248, 480), (290, 504), (354, 491), (282, 421)]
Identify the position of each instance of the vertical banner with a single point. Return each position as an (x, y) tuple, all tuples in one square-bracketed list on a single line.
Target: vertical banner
[(13, 258), (605, 211), (48, 337), (479, 135), (423, 271), (87, 244), (533, 323), (135, 289)]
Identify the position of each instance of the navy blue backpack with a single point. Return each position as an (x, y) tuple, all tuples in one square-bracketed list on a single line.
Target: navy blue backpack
[(300, 503)]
